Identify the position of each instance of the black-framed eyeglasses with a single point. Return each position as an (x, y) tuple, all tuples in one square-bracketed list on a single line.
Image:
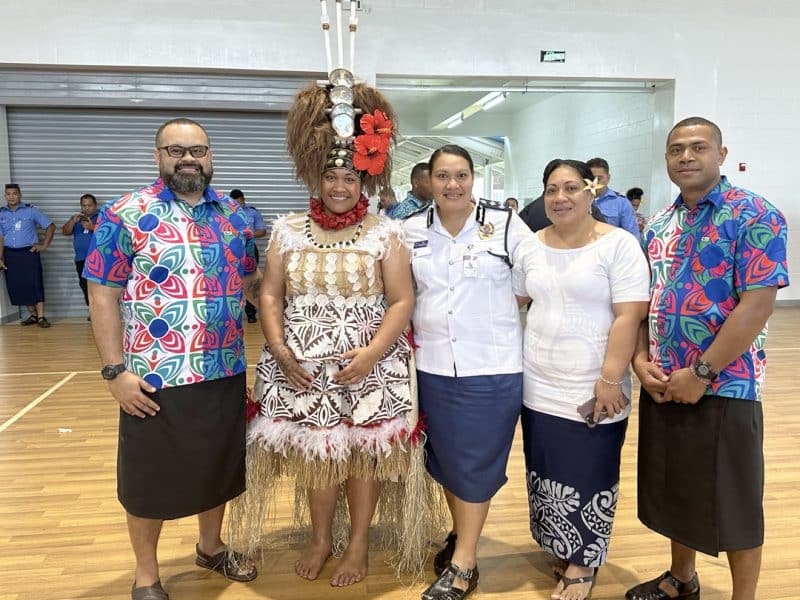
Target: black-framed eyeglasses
[(176, 151)]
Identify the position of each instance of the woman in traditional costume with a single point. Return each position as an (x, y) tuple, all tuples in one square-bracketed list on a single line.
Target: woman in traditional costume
[(336, 410)]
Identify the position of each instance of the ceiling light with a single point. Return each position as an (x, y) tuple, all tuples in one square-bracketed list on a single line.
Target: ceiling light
[(455, 122), (495, 101)]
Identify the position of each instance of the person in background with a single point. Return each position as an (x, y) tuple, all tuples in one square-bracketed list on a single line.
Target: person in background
[(615, 207), (20, 253), (259, 230), (513, 204), (635, 197), (81, 226), (387, 201), (420, 195)]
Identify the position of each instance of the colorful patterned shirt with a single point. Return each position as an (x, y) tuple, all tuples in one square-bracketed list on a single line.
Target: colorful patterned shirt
[(409, 205), (182, 269), (701, 259)]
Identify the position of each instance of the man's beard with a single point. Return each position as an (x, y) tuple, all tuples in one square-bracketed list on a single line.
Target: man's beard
[(188, 183)]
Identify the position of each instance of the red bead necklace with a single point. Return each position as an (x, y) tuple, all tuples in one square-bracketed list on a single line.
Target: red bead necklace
[(331, 221)]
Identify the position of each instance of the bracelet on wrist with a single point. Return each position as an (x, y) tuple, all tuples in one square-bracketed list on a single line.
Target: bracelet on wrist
[(609, 382)]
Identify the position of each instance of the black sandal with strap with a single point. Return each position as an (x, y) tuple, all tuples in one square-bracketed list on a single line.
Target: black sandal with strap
[(228, 563), (568, 581), (650, 590), (442, 588), (443, 557)]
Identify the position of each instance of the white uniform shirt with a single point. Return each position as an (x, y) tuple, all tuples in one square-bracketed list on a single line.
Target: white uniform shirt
[(571, 315), (466, 319)]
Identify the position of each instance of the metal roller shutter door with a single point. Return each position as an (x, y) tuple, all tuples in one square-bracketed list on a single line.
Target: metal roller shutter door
[(58, 154)]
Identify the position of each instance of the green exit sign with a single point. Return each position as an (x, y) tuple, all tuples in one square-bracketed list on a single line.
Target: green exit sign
[(551, 56)]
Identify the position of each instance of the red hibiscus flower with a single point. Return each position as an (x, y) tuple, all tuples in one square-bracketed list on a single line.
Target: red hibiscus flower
[(371, 152), (376, 124)]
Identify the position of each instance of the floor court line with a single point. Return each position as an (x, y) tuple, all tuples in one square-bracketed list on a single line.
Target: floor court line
[(33, 403), (49, 373)]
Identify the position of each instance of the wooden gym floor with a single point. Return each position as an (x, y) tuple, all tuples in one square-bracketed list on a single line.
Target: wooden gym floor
[(63, 534)]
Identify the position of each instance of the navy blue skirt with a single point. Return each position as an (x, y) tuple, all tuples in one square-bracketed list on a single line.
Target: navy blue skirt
[(471, 422), (573, 482), (24, 276)]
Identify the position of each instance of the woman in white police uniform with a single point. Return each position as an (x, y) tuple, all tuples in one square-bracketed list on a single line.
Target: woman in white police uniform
[(469, 353)]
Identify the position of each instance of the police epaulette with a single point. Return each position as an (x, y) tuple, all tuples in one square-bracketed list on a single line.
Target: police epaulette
[(492, 204)]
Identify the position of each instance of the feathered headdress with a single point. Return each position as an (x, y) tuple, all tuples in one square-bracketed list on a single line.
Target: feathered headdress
[(339, 123)]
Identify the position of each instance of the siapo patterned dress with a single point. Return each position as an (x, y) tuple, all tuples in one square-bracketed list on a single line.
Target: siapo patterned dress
[(321, 436)]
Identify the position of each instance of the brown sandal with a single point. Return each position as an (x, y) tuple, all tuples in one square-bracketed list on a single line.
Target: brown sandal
[(227, 563), (149, 592)]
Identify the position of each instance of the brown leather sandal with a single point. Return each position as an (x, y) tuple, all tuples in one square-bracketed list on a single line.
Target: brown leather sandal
[(228, 563), (149, 592)]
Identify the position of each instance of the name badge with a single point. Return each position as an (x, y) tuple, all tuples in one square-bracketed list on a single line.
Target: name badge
[(470, 265), (419, 252)]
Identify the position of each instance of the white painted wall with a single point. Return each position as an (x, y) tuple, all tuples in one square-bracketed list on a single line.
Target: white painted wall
[(617, 127), (733, 61)]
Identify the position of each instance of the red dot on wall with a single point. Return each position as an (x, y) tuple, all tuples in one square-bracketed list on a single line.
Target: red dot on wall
[(742, 167)]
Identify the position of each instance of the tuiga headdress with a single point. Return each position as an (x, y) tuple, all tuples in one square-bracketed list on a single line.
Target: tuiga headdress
[(340, 123)]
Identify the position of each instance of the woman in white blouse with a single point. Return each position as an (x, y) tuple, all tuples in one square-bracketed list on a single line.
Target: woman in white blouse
[(469, 353), (589, 285)]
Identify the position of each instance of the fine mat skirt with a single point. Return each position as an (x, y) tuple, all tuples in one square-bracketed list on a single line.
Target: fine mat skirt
[(572, 473), (701, 472), (189, 457), (470, 426), (24, 276)]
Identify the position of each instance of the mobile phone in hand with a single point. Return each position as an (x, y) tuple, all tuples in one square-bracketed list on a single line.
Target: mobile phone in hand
[(586, 411)]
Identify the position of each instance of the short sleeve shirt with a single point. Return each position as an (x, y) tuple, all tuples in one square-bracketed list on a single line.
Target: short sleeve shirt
[(18, 227), (573, 293), (618, 211), (81, 236), (701, 260), (182, 268), (466, 319), (254, 218)]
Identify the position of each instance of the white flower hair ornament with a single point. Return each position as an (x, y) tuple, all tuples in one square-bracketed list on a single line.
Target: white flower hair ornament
[(593, 186)]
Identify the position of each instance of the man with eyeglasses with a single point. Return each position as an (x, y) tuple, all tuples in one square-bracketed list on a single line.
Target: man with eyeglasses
[(180, 257)]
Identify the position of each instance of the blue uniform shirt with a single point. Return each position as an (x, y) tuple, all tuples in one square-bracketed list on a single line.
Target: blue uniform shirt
[(81, 238), (254, 218), (18, 227), (618, 211)]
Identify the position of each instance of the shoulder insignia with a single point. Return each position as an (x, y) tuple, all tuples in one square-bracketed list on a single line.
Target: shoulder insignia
[(492, 204)]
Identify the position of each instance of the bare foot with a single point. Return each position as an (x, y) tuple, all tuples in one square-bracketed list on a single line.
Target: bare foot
[(353, 566), (312, 559), (576, 591)]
